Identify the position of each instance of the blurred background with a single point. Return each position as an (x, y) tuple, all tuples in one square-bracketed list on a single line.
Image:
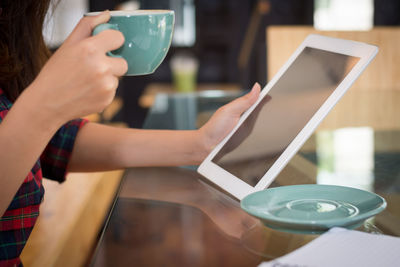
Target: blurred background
[(220, 48), (226, 39)]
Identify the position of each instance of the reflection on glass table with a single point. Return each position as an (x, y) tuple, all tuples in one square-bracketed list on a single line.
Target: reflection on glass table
[(172, 217), (186, 111)]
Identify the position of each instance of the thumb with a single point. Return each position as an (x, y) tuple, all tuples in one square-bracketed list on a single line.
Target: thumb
[(240, 105), (86, 25)]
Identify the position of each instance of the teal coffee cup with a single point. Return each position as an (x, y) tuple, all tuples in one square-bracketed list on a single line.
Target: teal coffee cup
[(148, 35)]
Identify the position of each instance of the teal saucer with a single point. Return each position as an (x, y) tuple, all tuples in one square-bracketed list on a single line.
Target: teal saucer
[(312, 208)]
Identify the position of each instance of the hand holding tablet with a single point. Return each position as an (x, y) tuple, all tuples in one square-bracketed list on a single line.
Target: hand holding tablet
[(288, 110)]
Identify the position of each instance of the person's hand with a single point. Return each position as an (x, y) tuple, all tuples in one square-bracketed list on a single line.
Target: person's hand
[(226, 118), (245, 129), (80, 79)]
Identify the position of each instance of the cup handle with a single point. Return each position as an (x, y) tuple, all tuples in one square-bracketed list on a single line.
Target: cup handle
[(106, 26)]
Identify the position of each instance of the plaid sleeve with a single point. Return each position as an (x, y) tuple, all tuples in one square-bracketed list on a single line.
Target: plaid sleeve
[(54, 159)]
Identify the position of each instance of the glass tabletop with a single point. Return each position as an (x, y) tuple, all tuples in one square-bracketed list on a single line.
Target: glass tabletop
[(173, 217)]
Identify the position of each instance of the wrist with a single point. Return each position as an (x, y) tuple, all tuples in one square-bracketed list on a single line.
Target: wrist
[(41, 111), (205, 146)]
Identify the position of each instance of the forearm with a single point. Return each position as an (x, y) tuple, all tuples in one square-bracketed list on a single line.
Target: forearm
[(99, 147), (24, 133)]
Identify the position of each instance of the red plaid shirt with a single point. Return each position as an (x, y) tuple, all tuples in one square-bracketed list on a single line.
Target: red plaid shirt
[(17, 222)]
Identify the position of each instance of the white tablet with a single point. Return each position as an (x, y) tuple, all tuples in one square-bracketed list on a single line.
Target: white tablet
[(287, 112)]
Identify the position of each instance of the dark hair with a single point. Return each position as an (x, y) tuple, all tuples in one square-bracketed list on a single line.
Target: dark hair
[(23, 51)]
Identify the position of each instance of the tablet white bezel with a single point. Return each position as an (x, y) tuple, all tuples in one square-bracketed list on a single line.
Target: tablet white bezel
[(239, 188)]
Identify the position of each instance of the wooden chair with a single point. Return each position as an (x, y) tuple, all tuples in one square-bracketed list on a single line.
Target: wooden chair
[(383, 73), (371, 101)]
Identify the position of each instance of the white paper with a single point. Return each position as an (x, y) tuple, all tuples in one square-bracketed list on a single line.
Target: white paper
[(342, 247)]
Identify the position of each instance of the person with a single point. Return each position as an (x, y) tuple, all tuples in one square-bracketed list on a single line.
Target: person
[(42, 99)]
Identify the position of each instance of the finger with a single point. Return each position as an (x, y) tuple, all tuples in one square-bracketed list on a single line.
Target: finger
[(254, 93), (86, 25), (240, 105), (119, 66), (108, 40), (110, 83)]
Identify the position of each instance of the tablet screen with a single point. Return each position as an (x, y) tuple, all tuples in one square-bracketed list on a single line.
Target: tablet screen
[(283, 113)]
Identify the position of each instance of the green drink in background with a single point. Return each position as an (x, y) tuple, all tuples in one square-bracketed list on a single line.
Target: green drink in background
[(148, 36), (184, 81), (184, 72)]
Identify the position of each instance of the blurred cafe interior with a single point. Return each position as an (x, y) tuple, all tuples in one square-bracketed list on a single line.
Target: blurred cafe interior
[(170, 216)]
